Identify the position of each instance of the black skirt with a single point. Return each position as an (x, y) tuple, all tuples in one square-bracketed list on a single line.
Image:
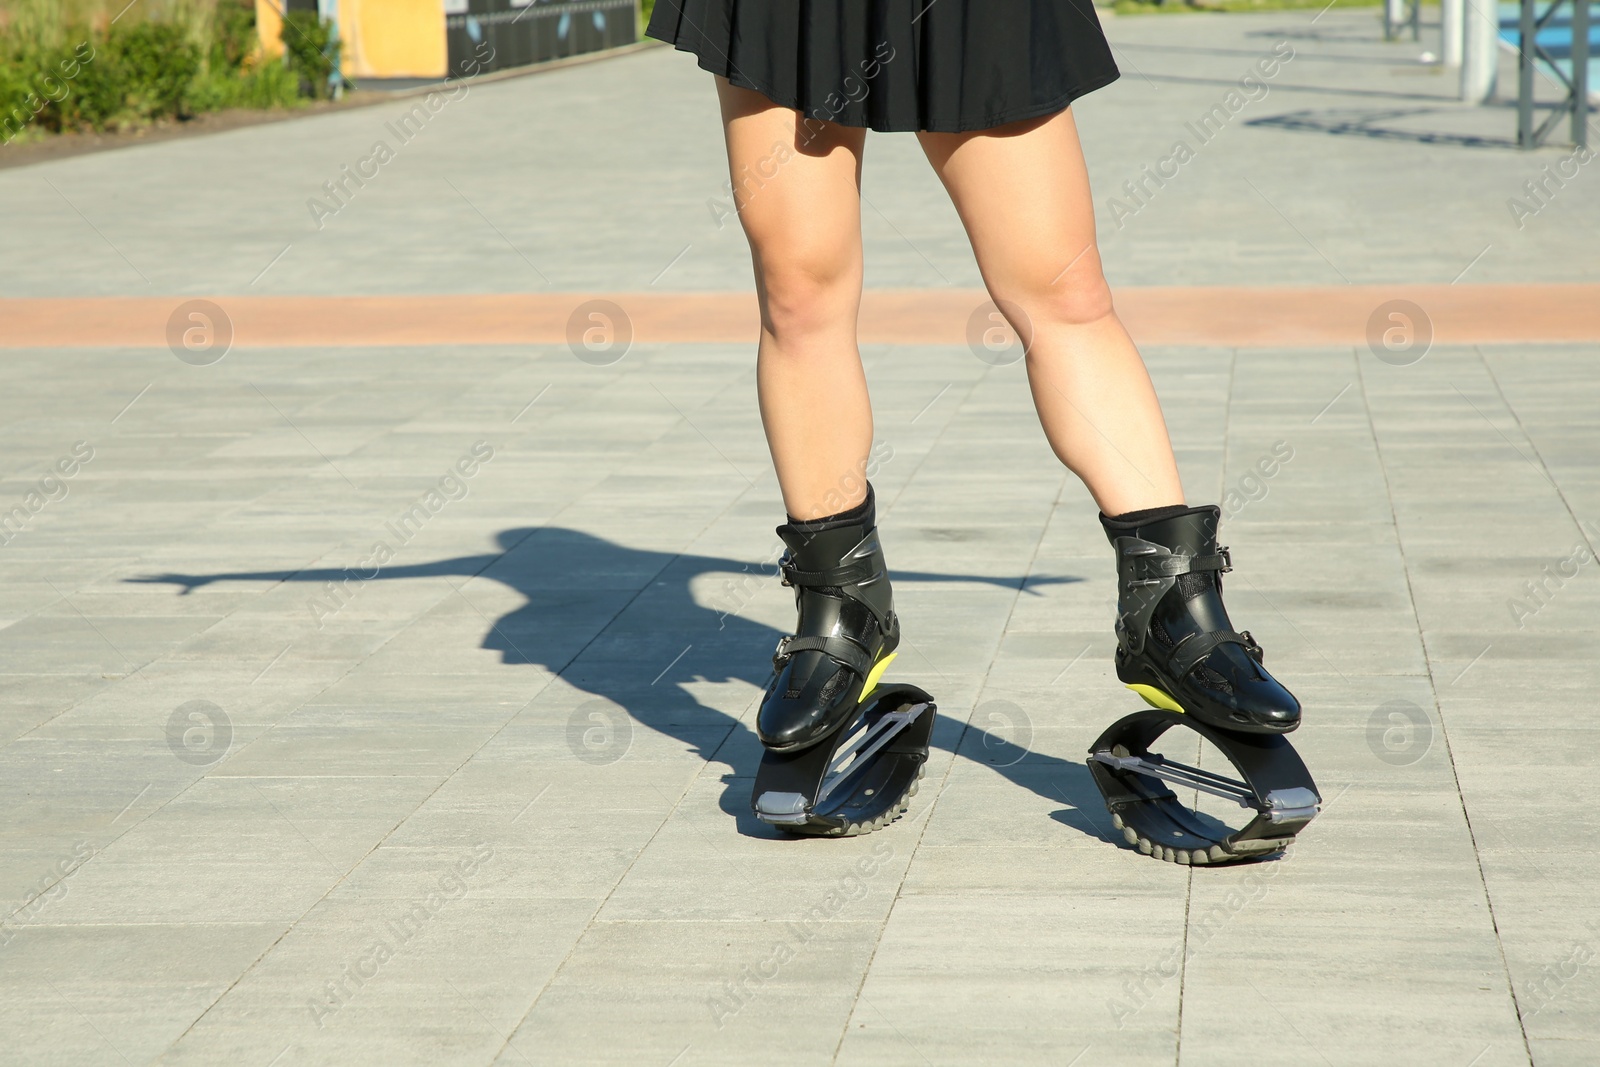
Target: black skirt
[(899, 65)]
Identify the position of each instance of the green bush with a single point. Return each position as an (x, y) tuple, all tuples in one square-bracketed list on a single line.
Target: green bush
[(39, 81), (267, 86), (98, 91), (312, 51), (59, 75), (233, 34), (157, 62)]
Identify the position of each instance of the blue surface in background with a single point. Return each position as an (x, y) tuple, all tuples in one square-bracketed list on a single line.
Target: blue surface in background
[(1555, 38)]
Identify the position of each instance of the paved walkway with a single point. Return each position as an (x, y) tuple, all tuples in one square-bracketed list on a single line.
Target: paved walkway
[(390, 703)]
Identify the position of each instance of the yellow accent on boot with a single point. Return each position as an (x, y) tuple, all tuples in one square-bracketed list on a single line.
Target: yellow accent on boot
[(876, 673), (1157, 698)]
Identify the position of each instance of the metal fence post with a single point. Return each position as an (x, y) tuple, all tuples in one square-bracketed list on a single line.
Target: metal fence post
[(1525, 39), (1580, 72)]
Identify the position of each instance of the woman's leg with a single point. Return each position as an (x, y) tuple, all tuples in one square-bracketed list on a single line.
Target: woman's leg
[(796, 185), (1023, 194)]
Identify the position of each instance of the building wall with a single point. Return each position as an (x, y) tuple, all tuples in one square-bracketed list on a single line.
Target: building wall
[(392, 38), (382, 38)]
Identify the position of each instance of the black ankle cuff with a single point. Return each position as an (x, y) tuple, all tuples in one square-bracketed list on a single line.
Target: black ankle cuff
[(1130, 519), (857, 515)]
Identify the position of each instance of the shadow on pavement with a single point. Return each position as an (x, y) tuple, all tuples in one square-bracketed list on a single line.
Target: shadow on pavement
[(1343, 122), (564, 574)]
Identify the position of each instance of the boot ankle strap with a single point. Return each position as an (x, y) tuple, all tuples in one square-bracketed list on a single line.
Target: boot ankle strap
[(852, 573), (1151, 568)]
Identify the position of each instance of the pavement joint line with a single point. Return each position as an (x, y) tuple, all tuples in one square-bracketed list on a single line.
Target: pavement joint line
[(1585, 530), (443, 779), (1438, 708), (1227, 426), (588, 925), (1509, 443), (492, 1027), (955, 749), (590, 922)]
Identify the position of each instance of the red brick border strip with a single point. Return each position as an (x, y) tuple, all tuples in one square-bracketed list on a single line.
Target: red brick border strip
[(1221, 316)]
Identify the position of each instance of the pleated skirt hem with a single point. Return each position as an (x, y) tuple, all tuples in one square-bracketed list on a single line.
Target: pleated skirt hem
[(1020, 114)]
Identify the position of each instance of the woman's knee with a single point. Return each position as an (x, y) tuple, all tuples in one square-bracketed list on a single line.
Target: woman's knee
[(1076, 296), (808, 287)]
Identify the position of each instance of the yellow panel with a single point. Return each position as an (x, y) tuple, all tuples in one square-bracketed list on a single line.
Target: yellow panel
[(876, 673), (1156, 698), (392, 39)]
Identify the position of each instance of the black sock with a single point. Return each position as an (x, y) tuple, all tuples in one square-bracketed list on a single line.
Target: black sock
[(1139, 518), (855, 515)]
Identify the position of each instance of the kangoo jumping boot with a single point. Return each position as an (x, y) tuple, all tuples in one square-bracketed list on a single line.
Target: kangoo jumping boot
[(1176, 647), (846, 634), (843, 753)]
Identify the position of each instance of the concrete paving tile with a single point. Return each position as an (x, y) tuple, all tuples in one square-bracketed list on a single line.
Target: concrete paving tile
[(239, 850), (118, 993), (1019, 948), (397, 980), (703, 865), (728, 993), (368, 745)]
